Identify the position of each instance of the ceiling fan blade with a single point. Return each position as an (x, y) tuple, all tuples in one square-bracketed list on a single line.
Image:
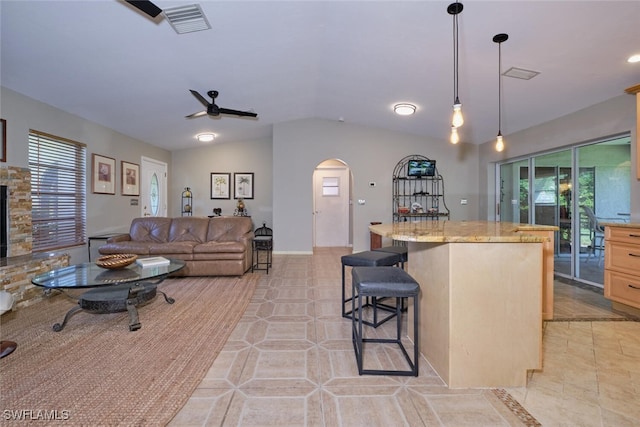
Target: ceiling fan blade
[(238, 113), (198, 114), (146, 6), (199, 98)]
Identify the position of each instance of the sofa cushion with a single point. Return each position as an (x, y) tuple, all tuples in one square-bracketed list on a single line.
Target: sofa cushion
[(150, 229), (219, 247), (228, 229), (172, 248), (188, 229), (127, 247)]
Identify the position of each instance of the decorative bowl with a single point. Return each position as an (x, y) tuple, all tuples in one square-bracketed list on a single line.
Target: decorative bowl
[(116, 260), (403, 209)]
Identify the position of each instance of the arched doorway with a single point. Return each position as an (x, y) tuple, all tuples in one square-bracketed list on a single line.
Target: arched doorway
[(332, 213)]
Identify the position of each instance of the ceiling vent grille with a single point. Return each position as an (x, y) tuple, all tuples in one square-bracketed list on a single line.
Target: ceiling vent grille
[(187, 19), (520, 73)]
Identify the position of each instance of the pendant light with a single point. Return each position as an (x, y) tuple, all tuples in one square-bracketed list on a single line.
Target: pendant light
[(457, 120), (500, 38)]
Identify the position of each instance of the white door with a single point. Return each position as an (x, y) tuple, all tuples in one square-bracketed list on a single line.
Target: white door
[(331, 202), (153, 188)]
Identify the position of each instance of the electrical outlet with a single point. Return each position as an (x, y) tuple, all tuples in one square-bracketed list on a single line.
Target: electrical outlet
[(372, 184), (463, 201)]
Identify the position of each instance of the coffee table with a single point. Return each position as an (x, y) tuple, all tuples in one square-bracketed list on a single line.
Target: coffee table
[(109, 291)]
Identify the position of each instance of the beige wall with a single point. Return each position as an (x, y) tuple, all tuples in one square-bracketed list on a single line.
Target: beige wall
[(615, 116), (283, 166), (104, 212)]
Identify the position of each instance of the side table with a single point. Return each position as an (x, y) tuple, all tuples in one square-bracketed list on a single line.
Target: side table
[(262, 244), (104, 236)]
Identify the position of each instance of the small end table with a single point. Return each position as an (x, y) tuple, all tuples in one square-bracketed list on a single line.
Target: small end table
[(262, 244)]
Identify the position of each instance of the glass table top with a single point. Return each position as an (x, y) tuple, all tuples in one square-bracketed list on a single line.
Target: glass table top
[(89, 275)]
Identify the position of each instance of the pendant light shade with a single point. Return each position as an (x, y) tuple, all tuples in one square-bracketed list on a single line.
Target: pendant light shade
[(500, 38), (454, 9)]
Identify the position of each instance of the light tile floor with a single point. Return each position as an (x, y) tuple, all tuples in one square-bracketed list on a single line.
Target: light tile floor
[(290, 362)]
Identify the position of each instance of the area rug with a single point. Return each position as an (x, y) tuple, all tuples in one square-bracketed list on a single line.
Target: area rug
[(96, 372)]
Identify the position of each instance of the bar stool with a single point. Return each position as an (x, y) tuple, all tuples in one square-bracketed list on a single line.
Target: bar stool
[(385, 282), (400, 250), (369, 259)]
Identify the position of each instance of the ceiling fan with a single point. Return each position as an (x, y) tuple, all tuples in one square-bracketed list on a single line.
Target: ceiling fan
[(213, 110), (146, 6)]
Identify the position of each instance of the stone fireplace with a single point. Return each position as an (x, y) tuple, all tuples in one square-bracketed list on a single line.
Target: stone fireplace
[(20, 264)]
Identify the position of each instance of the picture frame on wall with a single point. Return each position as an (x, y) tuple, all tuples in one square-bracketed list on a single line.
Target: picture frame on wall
[(220, 185), (103, 174), (243, 185), (3, 135), (130, 178)]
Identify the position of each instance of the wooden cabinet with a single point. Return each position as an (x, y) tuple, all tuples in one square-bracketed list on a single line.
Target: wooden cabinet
[(622, 266)]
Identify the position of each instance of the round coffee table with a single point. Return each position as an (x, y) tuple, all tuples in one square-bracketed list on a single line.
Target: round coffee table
[(109, 291)]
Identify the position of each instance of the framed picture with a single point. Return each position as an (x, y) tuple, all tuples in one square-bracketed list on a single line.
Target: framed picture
[(3, 143), (103, 175), (130, 178), (243, 185), (220, 185)]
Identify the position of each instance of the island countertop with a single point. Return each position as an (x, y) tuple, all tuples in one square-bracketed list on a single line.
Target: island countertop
[(439, 231), (620, 224)]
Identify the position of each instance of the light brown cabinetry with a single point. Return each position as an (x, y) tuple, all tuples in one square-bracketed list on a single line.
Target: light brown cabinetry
[(622, 267)]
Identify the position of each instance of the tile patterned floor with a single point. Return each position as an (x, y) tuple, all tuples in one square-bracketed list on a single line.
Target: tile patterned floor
[(290, 362)]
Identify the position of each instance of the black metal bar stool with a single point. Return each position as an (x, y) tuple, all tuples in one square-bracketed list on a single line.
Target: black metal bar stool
[(385, 282), (369, 259)]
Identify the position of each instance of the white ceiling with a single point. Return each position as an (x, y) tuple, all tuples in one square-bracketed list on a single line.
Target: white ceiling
[(105, 61)]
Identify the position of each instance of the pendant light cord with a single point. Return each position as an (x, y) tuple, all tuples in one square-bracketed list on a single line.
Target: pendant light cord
[(500, 88)]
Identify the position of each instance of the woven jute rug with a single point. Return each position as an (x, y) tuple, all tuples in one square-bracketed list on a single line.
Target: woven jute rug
[(95, 372)]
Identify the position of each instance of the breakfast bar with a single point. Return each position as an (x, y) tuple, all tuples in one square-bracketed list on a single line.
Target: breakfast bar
[(481, 305)]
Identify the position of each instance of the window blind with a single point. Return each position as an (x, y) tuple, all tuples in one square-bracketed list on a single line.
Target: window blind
[(58, 191)]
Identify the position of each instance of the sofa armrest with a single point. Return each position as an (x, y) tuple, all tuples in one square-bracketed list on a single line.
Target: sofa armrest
[(246, 238), (119, 238)]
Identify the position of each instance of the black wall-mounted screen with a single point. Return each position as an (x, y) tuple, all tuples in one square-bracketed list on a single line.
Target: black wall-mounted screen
[(421, 168)]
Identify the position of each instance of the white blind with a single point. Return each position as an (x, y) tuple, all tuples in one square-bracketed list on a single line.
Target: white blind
[(58, 191)]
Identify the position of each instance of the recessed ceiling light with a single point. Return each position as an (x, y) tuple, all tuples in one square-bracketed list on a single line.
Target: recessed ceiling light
[(634, 58), (404, 109), (206, 137)]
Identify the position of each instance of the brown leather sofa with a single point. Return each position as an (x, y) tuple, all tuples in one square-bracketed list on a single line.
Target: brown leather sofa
[(219, 246)]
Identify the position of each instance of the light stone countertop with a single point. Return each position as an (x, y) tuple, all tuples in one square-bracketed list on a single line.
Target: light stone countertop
[(439, 231)]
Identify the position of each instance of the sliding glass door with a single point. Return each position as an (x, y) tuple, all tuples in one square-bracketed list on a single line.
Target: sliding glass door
[(559, 188)]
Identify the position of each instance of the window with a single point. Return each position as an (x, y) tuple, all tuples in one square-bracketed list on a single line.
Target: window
[(58, 191), (331, 186)]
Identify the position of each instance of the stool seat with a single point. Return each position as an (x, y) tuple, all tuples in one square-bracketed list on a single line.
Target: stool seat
[(370, 259), (384, 282), (400, 250), (367, 259)]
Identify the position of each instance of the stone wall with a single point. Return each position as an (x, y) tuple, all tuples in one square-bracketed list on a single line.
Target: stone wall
[(18, 181), (17, 270)]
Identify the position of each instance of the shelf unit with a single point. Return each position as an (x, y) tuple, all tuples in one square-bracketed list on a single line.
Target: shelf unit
[(187, 205), (421, 196)]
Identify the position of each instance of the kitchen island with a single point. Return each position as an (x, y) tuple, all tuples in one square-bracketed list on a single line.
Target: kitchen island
[(482, 297)]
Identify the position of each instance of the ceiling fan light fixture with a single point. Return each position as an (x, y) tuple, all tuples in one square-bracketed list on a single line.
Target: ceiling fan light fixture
[(206, 137), (404, 109)]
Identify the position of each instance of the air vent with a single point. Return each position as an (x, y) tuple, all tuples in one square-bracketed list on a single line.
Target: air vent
[(187, 19), (520, 73)]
